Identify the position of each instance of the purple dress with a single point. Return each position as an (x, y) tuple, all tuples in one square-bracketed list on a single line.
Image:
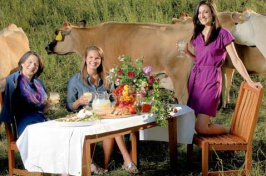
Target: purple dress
[(205, 82)]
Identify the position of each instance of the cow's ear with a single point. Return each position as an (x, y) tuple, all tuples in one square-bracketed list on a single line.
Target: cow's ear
[(82, 23), (237, 17), (160, 75), (175, 20), (246, 14), (67, 24)]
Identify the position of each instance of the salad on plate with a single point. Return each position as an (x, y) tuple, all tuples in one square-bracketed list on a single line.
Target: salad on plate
[(78, 119)]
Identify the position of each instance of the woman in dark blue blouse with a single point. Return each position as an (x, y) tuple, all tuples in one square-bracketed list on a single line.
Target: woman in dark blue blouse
[(24, 94)]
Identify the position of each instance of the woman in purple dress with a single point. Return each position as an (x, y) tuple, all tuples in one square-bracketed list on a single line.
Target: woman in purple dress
[(211, 43)]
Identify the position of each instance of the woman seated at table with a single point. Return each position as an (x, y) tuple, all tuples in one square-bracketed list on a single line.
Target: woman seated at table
[(24, 94), (91, 78)]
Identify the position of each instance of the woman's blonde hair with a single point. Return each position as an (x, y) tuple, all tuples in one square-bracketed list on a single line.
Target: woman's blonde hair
[(100, 70)]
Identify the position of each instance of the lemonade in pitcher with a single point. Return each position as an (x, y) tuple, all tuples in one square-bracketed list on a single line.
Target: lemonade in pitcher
[(101, 101), (101, 104)]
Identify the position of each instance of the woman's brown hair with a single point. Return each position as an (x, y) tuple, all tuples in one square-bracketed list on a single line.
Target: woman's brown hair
[(100, 70), (26, 56), (216, 25)]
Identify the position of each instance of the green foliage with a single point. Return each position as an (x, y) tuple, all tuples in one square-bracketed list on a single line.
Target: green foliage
[(161, 107)]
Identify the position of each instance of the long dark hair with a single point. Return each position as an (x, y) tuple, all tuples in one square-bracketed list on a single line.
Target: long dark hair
[(26, 56), (216, 25), (100, 70)]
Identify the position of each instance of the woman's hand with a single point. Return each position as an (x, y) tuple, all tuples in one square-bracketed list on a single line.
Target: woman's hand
[(255, 85), (47, 105), (83, 100), (183, 51), (186, 51)]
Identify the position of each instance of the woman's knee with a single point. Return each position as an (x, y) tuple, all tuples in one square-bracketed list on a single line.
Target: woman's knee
[(201, 129)]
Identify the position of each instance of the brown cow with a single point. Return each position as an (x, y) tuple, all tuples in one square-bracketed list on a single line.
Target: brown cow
[(251, 56), (13, 44), (155, 42)]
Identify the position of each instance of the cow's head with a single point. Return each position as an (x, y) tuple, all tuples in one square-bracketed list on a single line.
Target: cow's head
[(183, 18), (243, 31), (64, 42)]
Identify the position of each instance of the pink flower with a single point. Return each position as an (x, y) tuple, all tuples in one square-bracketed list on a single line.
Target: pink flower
[(131, 74), (119, 72), (143, 91), (175, 110), (142, 95), (150, 92), (147, 70)]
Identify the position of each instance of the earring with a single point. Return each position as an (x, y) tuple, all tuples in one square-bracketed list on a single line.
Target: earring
[(198, 22)]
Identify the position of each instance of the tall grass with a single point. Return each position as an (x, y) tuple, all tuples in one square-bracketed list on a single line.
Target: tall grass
[(40, 18)]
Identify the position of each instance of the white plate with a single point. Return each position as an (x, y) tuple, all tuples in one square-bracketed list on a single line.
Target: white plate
[(77, 124)]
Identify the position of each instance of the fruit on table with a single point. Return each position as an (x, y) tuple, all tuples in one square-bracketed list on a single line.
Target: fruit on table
[(146, 107), (125, 96), (132, 110)]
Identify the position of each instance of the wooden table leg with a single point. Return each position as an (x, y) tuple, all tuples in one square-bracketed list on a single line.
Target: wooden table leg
[(172, 130), (86, 158), (134, 147)]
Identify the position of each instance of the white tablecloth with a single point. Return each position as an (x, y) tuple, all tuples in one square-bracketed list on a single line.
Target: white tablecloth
[(185, 128), (50, 148)]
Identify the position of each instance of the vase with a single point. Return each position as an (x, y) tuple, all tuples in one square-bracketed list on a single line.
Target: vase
[(138, 104)]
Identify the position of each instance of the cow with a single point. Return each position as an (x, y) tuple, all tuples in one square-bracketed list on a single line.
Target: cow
[(154, 42), (13, 44), (250, 56), (250, 30)]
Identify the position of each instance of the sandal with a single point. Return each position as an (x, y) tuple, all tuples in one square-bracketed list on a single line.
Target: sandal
[(131, 168), (97, 170)]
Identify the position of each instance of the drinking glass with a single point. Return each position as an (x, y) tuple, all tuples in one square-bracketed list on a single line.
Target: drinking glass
[(88, 96), (54, 98), (181, 48)]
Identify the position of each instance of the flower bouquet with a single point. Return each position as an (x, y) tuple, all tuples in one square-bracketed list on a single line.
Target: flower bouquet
[(137, 90)]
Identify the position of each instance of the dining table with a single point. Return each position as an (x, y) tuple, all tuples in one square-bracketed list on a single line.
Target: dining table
[(61, 147)]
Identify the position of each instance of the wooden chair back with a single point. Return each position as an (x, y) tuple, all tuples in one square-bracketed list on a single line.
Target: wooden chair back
[(246, 112), (241, 133)]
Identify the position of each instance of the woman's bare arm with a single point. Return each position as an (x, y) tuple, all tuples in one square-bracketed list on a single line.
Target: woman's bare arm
[(238, 64)]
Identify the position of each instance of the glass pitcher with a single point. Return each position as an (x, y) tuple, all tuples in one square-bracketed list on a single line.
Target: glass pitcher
[(101, 100)]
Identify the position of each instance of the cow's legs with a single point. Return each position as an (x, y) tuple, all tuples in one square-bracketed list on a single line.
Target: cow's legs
[(227, 76)]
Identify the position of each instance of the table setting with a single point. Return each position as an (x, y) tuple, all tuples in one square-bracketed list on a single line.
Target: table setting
[(56, 146)]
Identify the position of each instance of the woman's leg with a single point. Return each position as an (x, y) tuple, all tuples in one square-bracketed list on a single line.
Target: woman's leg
[(128, 164), (123, 149), (203, 127), (108, 145)]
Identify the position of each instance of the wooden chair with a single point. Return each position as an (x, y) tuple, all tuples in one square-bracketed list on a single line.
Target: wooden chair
[(11, 136), (241, 133)]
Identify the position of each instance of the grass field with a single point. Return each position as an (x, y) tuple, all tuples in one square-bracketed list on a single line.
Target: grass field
[(40, 18)]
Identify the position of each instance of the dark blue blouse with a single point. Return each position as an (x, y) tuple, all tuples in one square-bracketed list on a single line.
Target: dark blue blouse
[(76, 87)]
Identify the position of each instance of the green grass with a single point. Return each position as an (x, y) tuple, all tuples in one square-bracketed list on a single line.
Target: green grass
[(40, 18)]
